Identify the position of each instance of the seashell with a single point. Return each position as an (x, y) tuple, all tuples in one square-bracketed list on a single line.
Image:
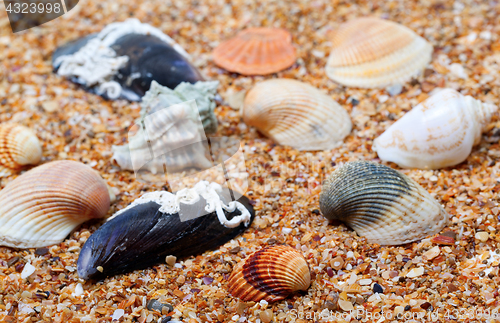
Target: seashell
[(160, 224), (19, 146), (123, 59), (172, 129), (437, 133), (270, 274), (256, 51), (373, 53), (296, 114), (381, 204), (42, 206)]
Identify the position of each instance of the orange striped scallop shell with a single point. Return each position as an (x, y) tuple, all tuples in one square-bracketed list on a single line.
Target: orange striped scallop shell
[(19, 146), (42, 206), (270, 274), (256, 51)]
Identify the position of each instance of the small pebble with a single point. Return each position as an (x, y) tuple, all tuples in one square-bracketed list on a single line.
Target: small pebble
[(482, 236), (415, 272), (41, 251), (337, 263), (117, 314), (155, 305), (170, 260), (378, 289), (28, 270), (266, 316), (394, 89)]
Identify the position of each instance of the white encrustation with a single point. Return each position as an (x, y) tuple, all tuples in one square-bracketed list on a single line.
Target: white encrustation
[(170, 203), (96, 62)]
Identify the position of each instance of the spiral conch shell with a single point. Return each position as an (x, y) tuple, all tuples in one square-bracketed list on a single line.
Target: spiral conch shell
[(42, 206), (296, 114), (373, 53), (19, 146), (381, 204), (270, 274), (437, 133)]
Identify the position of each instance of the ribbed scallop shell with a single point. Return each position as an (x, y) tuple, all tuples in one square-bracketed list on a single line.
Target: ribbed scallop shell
[(296, 114), (437, 133), (381, 204), (256, 51), (270, 274), (372, 53), (19, 146), (42, 206)]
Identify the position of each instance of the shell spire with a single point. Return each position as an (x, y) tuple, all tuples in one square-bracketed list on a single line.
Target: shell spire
[(483, 112), (381, 204)]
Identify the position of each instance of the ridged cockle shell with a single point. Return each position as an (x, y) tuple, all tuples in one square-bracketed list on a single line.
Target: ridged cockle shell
[(19, 146), (270, 274), (381, 204), (371, 52), (296, 114), (256, 51), (42, 206), (437, 133)]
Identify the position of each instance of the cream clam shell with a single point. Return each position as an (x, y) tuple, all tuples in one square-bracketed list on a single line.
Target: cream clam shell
[(437, 133), (372, 53), (381, 204), (19, 146), (270, 274), (42, 206), (296, 114)]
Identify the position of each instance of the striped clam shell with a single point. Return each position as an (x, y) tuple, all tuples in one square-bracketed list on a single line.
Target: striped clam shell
[(381, 204), (19, 146), (256, 51), (42, 206), (372, 53), (296, 114), (270, 274)]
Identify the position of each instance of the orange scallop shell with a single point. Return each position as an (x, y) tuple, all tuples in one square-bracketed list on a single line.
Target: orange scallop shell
[(19, 146), (42, 206), (270, 274), (256, 51)]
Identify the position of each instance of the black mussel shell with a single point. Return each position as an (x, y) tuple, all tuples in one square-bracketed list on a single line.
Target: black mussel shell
[(150, 59), (142, 237)]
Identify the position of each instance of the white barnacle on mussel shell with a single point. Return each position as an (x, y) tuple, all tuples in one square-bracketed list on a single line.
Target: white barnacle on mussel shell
[(381, 204), (171, 134), (437, 133), (159, 224), (123, 59)]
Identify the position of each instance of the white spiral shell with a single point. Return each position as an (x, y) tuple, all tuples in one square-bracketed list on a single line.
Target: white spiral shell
[(437, 133)]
